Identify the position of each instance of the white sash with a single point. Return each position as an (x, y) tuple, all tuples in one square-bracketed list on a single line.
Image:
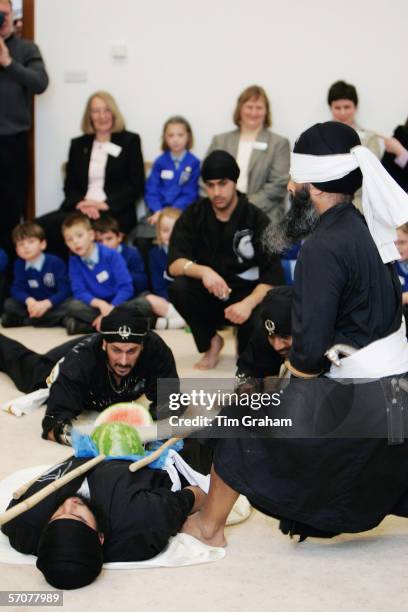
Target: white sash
[(384, 357)]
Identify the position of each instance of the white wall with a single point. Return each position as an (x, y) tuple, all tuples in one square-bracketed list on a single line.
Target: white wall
[(194, 57)]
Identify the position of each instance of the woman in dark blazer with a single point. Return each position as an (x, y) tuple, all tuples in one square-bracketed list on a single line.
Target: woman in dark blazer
[(104, 173)]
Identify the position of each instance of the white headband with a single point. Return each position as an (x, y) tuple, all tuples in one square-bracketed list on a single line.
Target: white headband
[(385, 204)]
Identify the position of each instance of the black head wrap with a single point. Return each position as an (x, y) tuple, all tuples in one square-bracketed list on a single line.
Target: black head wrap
[(124, 325), (219, 165), (276, 311), (332, 138), (69, 554)]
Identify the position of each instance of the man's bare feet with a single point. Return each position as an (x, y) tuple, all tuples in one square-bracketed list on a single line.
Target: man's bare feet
[(195, 527), (211, 357)]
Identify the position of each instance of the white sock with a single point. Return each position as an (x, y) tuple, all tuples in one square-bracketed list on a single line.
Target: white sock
[(161, 323)]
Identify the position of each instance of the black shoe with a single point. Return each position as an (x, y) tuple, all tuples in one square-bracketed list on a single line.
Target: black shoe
[(11, 320), (74, 327)]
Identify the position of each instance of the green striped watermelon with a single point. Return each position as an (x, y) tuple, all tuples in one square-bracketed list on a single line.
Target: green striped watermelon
[(117, 439), (126, 412)]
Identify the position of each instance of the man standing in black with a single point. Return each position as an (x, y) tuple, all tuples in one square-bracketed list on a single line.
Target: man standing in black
[(22, 74), (221, 267)]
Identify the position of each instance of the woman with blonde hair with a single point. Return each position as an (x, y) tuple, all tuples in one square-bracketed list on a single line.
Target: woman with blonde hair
[(104, 173), (262, 155)]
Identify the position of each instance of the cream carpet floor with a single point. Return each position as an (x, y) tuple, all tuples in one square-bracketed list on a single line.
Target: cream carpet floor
[(263, 570)]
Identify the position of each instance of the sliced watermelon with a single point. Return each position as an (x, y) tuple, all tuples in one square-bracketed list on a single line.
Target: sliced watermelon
[(126, 412), (117, 439)]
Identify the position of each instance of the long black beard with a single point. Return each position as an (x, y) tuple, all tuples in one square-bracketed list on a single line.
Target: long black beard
[(298, 223)]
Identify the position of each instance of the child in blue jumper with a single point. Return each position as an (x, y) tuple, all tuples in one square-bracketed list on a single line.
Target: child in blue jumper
[(40, 289), (99, 277), (173, 180), (108, 233), (168, 317)]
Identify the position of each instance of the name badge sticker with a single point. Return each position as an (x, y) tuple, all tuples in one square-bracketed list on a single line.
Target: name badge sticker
[(112, 149), (103, 276), (260, 145), (167, 175), (33, 283)]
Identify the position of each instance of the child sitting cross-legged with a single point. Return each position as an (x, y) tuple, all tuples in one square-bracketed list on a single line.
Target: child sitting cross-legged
[(107, 233), (40, 289), (168, 317), (99, 277)]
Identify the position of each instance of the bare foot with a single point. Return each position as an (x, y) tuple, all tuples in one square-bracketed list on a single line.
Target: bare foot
[(194, 527), (210, 358)]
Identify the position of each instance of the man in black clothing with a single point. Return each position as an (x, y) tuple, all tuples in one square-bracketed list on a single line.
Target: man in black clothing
[(120, 364), (107, 515), (22, 74), (270, 342), (338, 472), (221, 267)]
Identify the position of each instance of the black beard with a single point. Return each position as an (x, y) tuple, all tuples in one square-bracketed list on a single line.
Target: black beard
[(298, 223)]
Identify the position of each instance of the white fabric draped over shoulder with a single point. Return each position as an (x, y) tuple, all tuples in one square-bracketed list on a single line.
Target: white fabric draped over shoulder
[(385, 203)]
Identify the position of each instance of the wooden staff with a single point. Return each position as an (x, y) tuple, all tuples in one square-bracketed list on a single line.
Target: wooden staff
[(35, 499), (137, 465)]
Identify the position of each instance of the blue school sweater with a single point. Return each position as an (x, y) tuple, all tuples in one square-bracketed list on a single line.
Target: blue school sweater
[(51, 282), (158, 271), (167, 186), (3, 260), (135, 265), (401, 268), (108, 280)]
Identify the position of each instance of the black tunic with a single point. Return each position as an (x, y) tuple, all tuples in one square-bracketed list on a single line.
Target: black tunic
[(319, 486), (259, 359), (139, 511), (199, 236), (84, 383)]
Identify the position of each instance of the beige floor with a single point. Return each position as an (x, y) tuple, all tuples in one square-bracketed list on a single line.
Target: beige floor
[(262, 571)]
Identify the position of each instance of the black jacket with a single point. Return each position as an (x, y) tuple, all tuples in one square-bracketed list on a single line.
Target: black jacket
[(124, 176)]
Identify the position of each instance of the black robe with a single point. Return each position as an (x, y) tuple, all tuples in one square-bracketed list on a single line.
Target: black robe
[(139, 511), (341, 483)]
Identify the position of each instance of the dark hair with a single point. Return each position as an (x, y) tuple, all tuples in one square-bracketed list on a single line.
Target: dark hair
[(182, 121), (27, 230), (340, 90), (76, 218), (106, 223), (96, 511)]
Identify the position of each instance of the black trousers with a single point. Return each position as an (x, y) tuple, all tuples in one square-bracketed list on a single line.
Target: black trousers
[(51, 318), (86, 314), (27, 369), (204, 312), (13, 185)]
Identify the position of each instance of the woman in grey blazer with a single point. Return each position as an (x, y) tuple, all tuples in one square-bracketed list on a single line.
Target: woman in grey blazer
[(262, 155)]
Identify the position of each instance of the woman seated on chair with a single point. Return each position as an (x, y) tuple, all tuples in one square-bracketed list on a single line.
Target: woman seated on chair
[(105, 171)]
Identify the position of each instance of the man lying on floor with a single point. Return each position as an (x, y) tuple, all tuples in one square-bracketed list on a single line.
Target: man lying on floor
[(108, 514)]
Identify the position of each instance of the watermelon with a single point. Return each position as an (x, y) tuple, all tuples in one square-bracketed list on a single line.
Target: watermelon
[(126, 412), (117, 439)]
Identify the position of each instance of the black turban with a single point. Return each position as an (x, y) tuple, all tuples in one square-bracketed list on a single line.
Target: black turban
[(276, 311), (69, 554), (219, 165), (332, 138), (124, 324)]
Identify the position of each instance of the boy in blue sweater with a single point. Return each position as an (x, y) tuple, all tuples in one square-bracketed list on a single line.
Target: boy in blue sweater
[(40, 288), (108, 233), (99, 277)]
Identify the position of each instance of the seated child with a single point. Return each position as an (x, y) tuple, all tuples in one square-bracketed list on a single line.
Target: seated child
[(3, 277), (40, 287), (99, 277), (401, 266), (173, 180), (169, 318), (107, 232)]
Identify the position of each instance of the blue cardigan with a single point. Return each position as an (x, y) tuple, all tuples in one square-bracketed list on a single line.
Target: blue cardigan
[(51, 283), (167, 186), (135, 265), (158, 271), (109, 280)]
